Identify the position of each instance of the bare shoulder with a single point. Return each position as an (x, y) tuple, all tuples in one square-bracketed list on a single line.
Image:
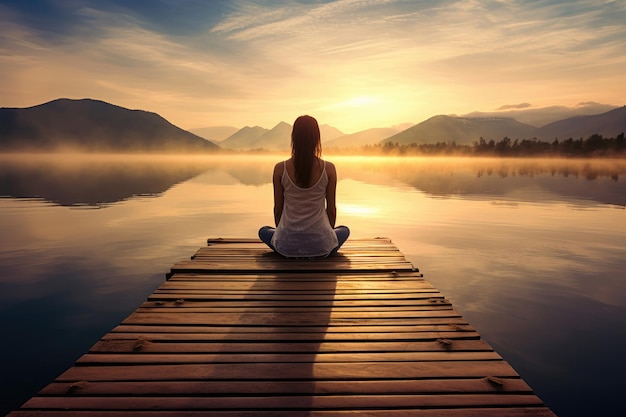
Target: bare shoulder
[(278, 170), (279, 167), (330, 169)]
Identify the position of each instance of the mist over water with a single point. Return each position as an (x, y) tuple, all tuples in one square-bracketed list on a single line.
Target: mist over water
[(531, 252)]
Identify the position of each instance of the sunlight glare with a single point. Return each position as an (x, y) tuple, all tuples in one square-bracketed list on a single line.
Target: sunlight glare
[(358, 210)]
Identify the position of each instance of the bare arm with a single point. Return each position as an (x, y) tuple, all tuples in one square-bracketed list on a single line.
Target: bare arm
[(279, 197), (331, 189)]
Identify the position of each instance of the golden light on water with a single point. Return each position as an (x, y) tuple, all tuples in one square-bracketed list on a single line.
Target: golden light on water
[(357, 210)]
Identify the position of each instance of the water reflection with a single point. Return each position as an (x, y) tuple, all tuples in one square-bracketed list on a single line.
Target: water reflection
[(101, 180), (521, 179), (70, 180)]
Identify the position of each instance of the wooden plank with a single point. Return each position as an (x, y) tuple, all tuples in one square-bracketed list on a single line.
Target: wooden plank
[(277, 319), (346, 357), (287, 371), (286, 307), (187, 294), (303, 276), (263, 255), (413, 412), (458, 325), (229, 282), (329, 293), (452, 323), (178, 303), (347, 258), (221, 241), (344, 402), (143, 344), (301, 286), (195, 319), (406, 387), (253, 265), (355, 255), (297, 337)]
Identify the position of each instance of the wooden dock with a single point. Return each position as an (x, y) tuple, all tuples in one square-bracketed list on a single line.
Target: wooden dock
[(238, 331)]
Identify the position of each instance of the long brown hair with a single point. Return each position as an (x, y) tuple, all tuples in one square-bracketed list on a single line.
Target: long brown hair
[(306, 147)]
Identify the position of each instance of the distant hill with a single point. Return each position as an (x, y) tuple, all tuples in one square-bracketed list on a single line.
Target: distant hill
[(93, 126), (214, 133), (403, 126), (243, 138), (462, 130), (277, 138), (329, 133), (362, 138), (609, 124)]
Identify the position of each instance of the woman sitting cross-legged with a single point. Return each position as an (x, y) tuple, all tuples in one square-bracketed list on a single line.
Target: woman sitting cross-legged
[(304, 199)]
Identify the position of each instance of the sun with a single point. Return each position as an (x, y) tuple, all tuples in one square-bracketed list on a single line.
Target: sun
[(354, 113), (372, 109)]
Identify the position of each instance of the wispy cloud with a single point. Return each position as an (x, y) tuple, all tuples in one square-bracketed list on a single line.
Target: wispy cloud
[(515, 106)]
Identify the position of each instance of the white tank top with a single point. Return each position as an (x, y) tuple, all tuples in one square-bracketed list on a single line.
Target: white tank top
[(304, 229)]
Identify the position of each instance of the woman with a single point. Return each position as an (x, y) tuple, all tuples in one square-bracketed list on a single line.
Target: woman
[(304, 199)]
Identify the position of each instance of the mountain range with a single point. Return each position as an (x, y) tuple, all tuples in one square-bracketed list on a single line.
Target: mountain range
[(96, 126), (93, 126), (439, 129), (609, 124), (466, 131)]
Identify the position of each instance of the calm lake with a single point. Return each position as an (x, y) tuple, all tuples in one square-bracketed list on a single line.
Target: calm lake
[(530, 252)]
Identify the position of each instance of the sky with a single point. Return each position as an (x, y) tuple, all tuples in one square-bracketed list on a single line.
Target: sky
[(352, 64)]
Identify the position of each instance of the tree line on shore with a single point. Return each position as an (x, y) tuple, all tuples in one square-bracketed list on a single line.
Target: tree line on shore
[(594, 146)]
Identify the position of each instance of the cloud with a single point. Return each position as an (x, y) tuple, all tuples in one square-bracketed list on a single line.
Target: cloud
[(251, 21), (514, 106)]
